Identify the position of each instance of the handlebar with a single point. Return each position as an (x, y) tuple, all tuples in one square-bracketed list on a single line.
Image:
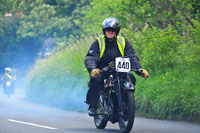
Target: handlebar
[(111, 65)]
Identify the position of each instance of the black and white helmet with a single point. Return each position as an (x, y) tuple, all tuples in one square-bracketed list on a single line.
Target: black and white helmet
[(111, 22)]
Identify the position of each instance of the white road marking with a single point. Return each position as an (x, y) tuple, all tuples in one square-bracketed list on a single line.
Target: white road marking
[(32, 124)]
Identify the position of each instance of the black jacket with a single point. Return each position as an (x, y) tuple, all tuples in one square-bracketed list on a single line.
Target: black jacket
[(111, 52)]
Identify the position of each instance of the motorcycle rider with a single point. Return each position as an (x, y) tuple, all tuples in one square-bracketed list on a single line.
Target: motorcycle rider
[(104, 50), (8, 75)]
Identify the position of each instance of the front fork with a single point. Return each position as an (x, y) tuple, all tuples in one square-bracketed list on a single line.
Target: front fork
[(119, 97), (129, 87)]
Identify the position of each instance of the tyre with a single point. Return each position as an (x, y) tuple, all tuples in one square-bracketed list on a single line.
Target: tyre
[(126, 119), (100, 122), (99, 119)]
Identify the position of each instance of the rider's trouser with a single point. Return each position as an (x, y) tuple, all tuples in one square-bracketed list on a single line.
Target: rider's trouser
[(96, 84)]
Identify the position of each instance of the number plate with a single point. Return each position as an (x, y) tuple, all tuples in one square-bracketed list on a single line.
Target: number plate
[(122, 64), (8, 83)]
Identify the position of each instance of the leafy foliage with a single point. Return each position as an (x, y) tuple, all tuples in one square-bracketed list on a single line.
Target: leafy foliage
[(14, 52), (172, 90), (133, 14), (41, 19)]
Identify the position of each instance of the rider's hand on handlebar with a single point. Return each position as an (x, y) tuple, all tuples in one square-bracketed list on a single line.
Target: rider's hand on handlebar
[(144, 73), (94, 73)]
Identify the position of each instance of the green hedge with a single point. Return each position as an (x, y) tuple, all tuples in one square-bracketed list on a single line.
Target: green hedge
[(173, 95), (172, 60)]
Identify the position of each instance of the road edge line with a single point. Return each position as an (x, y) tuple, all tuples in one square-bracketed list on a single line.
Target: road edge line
[(31, 124)]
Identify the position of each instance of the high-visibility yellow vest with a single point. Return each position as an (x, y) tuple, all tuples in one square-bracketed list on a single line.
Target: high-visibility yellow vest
[(9, 76), (102, 45)]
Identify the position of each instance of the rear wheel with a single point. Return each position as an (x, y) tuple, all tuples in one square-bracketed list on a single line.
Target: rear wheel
[(100, 122), (127, 116), (99, 119)]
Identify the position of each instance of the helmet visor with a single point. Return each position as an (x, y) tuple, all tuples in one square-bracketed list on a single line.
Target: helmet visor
[(110, 29)]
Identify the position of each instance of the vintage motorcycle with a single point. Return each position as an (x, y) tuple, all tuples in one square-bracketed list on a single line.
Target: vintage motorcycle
[(8, 87), (116, 102)]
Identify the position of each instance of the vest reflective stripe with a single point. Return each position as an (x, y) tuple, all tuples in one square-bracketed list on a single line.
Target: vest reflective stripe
[(120, 43), (101, 41), (9, 76)]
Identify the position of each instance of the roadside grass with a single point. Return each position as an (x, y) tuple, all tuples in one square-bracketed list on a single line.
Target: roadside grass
[(174, 95)]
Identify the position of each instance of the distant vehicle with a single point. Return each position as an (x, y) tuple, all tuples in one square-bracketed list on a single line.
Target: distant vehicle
[(8, 82)]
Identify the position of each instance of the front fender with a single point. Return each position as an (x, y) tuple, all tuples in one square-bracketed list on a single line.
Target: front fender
[(129, 86)]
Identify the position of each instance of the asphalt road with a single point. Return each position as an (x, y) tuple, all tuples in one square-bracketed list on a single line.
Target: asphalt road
[(20, 116)]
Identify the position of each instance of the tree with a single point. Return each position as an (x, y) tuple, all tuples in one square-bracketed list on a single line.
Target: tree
[(42, 19), (134, 13)]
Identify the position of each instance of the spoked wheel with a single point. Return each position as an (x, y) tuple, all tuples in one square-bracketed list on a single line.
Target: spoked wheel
[(127, 116), (99, 119)]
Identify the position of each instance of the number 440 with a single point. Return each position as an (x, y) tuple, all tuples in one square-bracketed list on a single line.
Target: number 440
[(124, 65)]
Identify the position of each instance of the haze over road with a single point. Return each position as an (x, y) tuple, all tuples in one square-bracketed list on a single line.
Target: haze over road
[(20, 116)]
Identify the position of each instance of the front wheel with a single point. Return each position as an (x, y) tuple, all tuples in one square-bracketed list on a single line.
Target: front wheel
[(127, 115)]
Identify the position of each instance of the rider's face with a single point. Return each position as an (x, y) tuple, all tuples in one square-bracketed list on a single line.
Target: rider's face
[(110, 33)]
